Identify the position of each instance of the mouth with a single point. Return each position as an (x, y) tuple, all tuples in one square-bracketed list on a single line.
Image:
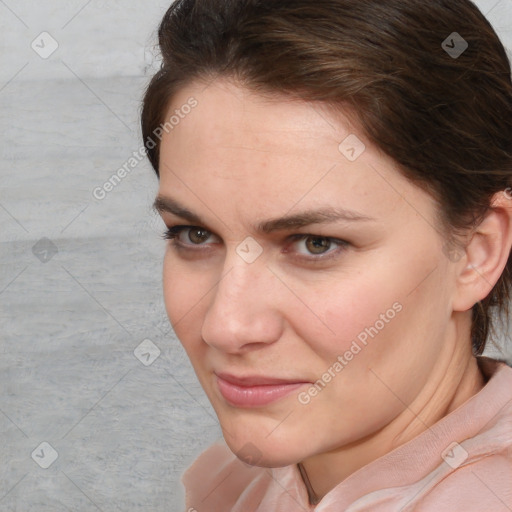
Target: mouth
[(255, 391)]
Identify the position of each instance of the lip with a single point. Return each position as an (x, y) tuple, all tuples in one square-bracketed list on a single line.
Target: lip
[(254, 391)]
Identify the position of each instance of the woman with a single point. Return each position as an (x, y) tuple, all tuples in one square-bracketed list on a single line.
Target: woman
[(335, 177)]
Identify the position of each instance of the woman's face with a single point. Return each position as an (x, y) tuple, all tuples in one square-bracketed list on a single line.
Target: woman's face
[(250, 294)]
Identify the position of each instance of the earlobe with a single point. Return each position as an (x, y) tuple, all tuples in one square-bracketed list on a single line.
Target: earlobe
[(486, 254)]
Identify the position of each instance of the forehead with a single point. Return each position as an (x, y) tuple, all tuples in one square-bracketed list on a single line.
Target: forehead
[(275, 153)]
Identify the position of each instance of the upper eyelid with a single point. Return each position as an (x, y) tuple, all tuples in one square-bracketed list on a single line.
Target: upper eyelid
[(182, 227), (291, 235)]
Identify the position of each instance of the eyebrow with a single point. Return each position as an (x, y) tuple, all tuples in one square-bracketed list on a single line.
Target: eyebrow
[(320, 216)]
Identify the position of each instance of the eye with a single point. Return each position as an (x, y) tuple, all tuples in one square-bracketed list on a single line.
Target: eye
[(187, 235), (317, 247), (313, 248)]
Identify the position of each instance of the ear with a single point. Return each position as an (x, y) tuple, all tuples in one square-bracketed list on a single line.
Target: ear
[(486, 254)]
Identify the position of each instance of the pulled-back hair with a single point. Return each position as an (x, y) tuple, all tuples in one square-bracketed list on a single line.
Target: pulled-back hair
[(443, 112)]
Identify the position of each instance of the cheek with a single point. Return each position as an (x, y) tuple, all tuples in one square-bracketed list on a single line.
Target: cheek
[(342, 314), (175, 291), (183, 292), (385, 334)]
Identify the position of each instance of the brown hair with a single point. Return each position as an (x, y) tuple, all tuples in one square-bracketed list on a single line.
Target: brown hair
[(442, 111)]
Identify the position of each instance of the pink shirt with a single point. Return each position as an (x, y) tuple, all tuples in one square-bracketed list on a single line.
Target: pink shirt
[(428, 473)]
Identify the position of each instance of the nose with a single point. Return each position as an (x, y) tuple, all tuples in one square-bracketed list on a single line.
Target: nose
[(243, 314)]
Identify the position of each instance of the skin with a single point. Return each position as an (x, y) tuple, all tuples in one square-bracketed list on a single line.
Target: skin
[(239, 159)]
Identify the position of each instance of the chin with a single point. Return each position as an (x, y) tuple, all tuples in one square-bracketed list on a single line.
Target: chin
[(263, 451)]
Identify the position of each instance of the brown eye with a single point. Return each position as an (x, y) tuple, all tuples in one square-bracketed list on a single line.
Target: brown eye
[(316, 248), (189, 236), (198, 236), (318, 244)]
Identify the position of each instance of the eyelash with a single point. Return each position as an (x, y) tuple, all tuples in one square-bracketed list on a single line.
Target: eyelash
[(173, 232)]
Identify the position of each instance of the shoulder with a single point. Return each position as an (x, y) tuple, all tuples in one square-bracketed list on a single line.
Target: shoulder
[(482, 485), (217, 479)]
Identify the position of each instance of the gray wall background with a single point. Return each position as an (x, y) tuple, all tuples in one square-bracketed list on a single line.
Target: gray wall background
[(80, 277)]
